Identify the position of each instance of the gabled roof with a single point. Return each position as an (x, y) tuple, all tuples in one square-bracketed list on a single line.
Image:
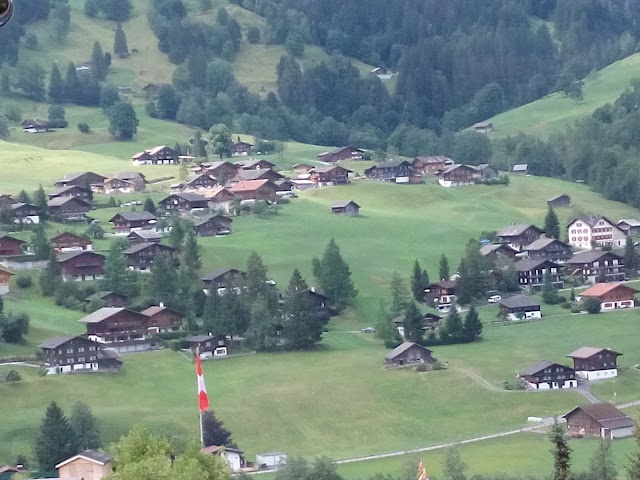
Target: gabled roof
[(156, 309), (250, 185), (220, 218), (517, 229), (218, 273), (55, 342), (138, 247), (328, 168), (60, 201), (494, 247), (484, 166), (92, 455), (214, 165), (390, 164), (156, 149), (456, 166), (253, 162), (543, 243), (607, 415), (257, 174), (135, 216), (5, 235), (343, 203), (65, 257), (146, 234), (600, 289), (632, 222), (340, 149), (558, 196), (200, 338), (105, 313), (448, 284), (520, 167), (592, 220), (103, 294), (212, 193), (519, 301), (129, 176), (588, 352), (527, 265), (403, 347), (70, 234), (482, 125), (61, 190), (69, 177), (197, 176), (433, 159), (18, 205), (540, 366), (189, 197), (591, 256)]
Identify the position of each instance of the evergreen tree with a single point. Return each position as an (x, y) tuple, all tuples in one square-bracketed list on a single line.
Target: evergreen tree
[(572, 295), (85, 427), (551, 224), (385, 328), (23, 197), (561, 453), (51, 276), (601, 464), (117, 277), (149, 206), (419, 281), (549, 290), (40, 243), (177, 233), (508, 281), (183, 172), (162, 280), (117, 10), (214, 432), (191, 253), (633, 464), (630, 258), (120, 47), (99, 65), (399, 296), (453, 468), (453, 329), (40, 201), (472, 325), (197, 68), (464, 285), (109, 96), (261, 332), (72, 86), (443, 270), (168, 103), (123, 122), (257, 282), (56, 86), (56, 441), (334, 276), (302, 328), (413, 323)]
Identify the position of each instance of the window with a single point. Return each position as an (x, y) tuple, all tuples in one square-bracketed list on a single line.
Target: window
[(92, 358), (80, 359), (69, 350), (80, 349)]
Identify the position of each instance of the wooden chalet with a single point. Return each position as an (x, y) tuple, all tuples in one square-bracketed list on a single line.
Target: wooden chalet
[(10, 246), (430, 323), (263, 174), (199, 181), (342, 153), (444, 291), (140, 257), (160, 155), (87, 465), (596, 266), (122, 329), (483, 127), (531, 274), (331, 175), (221, 171), (486, 172), (108, 299), (255, 190), (35, 125), (630, 226), (548, 249), (431, 166), (318, 301), (390, 171), (241, 149), (408, 353), (68, 354), (24, 212), (559, 201), (212, 226), (219, 280), (611, 295), (595, 363), (345, 207), (115, 185), (220, 198), (601, 420), (144, 236), (254, 164), (125, 222), (520, 169), (209, 345), (457, 175), (492, 250), (72, 191), (184, 202), (138, 179), (68, 241), (284, 185), (520, 307), (68, 208), (301, 168), (545, 375), (5, 278), (81, 265), (87, 180), (519, 235), (152, 88), (163, 319)]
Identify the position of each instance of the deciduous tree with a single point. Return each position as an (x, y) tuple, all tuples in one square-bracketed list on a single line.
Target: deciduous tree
[(633, 459), (123, 122), (220, 142)]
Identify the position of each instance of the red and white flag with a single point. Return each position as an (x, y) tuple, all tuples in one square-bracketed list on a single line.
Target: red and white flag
[(422, 472), (203, 398)]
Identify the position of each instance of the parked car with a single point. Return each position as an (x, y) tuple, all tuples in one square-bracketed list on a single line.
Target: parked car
[(368, 330), (494, 299)]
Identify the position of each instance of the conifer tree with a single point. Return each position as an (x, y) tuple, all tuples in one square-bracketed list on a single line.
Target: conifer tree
[(334, 276), (399, 296), (261, 332), (40, 243), (51, 276), (163, 279), (120, 46), (56, 441), (85, 426), (302, 328), (177, 233), (56, 86), (412, 323), (214, 432), (561, 453), (472, 325), (257, 278), (99, 65), (40, 201), (453, 329), (551, 224), (419, 281), (191, 253), (117, 278), (149, 206), (549, 290), (23, 197), (443, 270), (633, 465), (601, 464), (386, 329), (72, 86), (630, 258)]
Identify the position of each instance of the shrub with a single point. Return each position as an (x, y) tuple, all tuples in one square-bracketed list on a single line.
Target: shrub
[(13, 376), (58, 123), (422, 367), (576, 308), (176, 345), (12, 112), (253, 35), (591, 305), (439, 366), (24, 281), (516, 384), (566, 305), (84, 127)]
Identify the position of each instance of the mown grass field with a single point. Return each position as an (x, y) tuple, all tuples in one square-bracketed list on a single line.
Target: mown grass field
[(556, 111)]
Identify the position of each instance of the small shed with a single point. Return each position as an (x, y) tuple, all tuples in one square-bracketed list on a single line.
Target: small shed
[(559, 201), (271, 459), (599, 420), (520, 307), (520, 169), (209, 345), (408, 353), (345, 207), (483, 127)]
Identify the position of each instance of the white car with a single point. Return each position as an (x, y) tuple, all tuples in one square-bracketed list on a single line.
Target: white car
[(494, 299)]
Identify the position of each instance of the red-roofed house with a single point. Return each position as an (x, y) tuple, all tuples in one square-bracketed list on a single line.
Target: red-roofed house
[(611, 295), (163, 319), (255, 190)]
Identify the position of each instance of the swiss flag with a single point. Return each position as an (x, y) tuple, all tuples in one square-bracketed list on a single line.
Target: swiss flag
[(203, 398)]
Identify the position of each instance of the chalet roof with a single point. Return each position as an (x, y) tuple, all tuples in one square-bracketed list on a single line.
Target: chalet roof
[(445, 284), (108, 353), (343, 203), (212, 449), (75, 175), (142, 154), (129, 175), (214, 165), (146, 234), (433, 159), (520, 167), (55, 342), (91, 455), (125, 180), (557, 197), (8, 272), (215, 191), (539, 366), (632, 222), (531, 264), (249, 185), (341, 149), (519, 301), (102, 294), (403, 347), (600, 289), (18, 205), (156, 149), (456, 166), (588, 352), (104, 313), (606, 414), (218, 273), (493, 247), (61, 190), (135, 216), (328, 168), (592, 220), (256, 174), (59, 201), (390, 164), (482, 125), (242, 143), (189, 197), (590, 256), (65, 257), (484, 166), (543, 243), (138, 247), (4, 235), (70, 234), (193, 178), (253, 162), (200, 338), (516, 229), (220, 218), (156, 309), (301, 165)]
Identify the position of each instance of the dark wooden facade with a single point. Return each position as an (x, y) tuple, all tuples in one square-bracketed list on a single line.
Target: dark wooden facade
[(221, 279), (10, 246), (559, 201), (342, 153), (549, 249), (108, 299), (408, 353), (70, 241), (597, 265), (459, 174), (124, 222), (546, 375), (334, 174), (592, 359), (163, 319), (82, 265), (389, 171), (68, 208), (83, 179), (520, 235), (23, 210), (531, 273), (241, 148), (69, 354), (599, 420), (209, 227), (142, 255), (184, 202), (201, 180), (208, 344), (73, 191), (160, 155), (118, 326), (255, 190), (222, 171), (144, 236), (431, 166)]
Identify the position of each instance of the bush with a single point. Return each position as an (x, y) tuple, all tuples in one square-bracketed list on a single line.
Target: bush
[(12, 112), (439, 366), (24, 281), (516, 384), (576, 308), (84, 127), (176, 345), (566, 305), (422, 367), (591, 305)]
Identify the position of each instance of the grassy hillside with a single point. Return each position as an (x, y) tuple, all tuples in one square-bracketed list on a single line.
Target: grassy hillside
[(556, 111)]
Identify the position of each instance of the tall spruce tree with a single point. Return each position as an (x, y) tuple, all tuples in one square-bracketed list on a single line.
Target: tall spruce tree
[(602, 465), (549, 290), (214, 432), (120, 46), (40, 201), (419, 281), (117, 278), (99, 66), (191, 253), (163, 279), (56, 440), (551, 224), (385, 327), (23, 197), (257, 278), (561, 453), (399, 295), (472, 325), (55, 92), (413, 323), (149, 206), (453, 329), (85, 426), (177, 233), (261, 332), (72, 85), (302, 328), (633, 459), (51, 276), (40, 243), (334, 276), (443, 269)]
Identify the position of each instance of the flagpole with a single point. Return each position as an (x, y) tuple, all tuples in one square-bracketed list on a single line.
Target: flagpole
[(201, 431)]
